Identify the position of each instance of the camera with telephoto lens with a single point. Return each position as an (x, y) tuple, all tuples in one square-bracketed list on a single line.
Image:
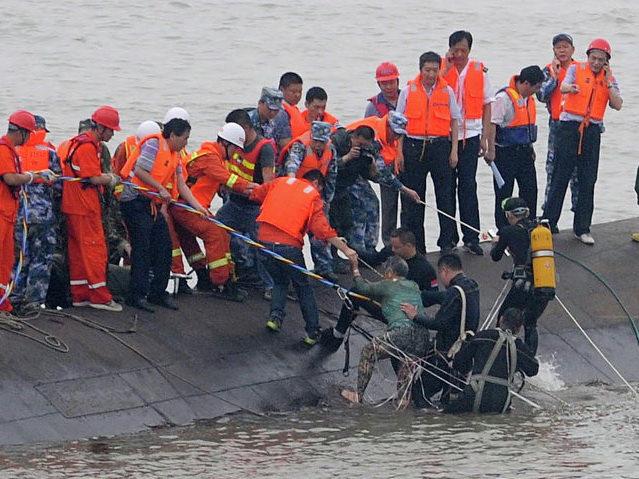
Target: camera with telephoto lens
[(367, 152)]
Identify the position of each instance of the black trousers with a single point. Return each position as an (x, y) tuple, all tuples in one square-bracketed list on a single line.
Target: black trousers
[(150, 248), (419, 160), (587, 165), (464, 189), (515, 163), (532, 307)]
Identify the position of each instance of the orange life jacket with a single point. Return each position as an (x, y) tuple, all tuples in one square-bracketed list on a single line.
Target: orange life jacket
[(34, 154), (67, 148), (310, 161), (522, 130), (593, 96), (428, 116), (306, 125), (243, 163), (289, 205), (296, 120), (473, 98), (164, 169), (380, 125), (556, 101), (123, 153)]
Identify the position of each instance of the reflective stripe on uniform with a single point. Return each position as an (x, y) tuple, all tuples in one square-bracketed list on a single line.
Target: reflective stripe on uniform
[(176, 252), (218, 263), (239, 172), (97, 285), (77, 282), (231, 181), (194, 258)]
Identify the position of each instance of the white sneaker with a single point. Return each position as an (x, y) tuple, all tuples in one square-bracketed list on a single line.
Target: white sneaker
[(586, 238), (80, 304), (110, 306)]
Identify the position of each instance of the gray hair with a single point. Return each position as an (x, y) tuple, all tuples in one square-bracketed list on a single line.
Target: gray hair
[(397, 265)]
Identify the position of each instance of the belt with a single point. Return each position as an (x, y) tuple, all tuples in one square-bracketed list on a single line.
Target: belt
[(430, 139)]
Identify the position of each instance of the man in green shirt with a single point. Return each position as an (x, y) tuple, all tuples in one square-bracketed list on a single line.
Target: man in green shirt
[(402, 335)]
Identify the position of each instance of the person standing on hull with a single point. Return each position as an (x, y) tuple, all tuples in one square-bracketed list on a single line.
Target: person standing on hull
[(156, 164), (492, 356), (290, 117), (255, 163), (511, 135), (452, 326), (30, 288), (589, 88), (387, 76), (316, 100), (291, 207), (516, 238), (402, 335), (87, 247), (430, 106), (473, 93), (551, 95), (21, 125), (263, 117)]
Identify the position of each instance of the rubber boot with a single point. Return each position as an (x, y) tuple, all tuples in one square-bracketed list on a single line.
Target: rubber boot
[(204, 282)]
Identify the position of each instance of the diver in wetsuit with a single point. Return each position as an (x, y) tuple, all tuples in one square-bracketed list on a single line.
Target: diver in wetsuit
[(494, 356), (516, 238)]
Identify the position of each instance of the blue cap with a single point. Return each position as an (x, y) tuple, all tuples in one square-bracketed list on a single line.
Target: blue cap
[(321, 131), (273, 98), (41, 123), (561, 36)]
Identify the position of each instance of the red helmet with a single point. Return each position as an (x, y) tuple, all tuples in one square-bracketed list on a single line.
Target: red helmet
[(107, 116), (23, 119), (386, 71), (600, 44)]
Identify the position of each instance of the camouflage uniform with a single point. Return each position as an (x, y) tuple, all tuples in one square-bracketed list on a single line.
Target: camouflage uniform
[(115, 231), (30, 288)]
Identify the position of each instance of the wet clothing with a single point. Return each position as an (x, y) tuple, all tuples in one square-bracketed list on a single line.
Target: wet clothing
[(487, 390), (521, 295)]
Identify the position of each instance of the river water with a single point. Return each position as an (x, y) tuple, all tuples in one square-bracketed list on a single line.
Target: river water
[(63, 59)]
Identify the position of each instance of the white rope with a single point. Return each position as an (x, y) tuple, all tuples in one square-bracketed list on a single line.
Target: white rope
[(595, 346)]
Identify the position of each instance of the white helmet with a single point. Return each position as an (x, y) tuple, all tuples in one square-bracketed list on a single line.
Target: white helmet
[(233, 133), (147, 128), (176, 112)]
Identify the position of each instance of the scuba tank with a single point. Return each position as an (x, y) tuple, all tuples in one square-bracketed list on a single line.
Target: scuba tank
[(543, 261)]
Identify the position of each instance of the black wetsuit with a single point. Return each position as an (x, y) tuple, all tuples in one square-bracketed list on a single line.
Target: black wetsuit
[(474, 356), (521, 295)]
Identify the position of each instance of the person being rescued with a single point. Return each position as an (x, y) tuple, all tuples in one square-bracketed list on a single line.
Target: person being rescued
[(402, 337), (492, 356)]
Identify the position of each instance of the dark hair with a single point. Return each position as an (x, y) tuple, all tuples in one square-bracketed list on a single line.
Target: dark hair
[(451, 261), (316, 93), (290, 78), (315, 175), (365, 132), (531, 74), (405, 235), (177, 126), (459, 36), (239, 116), (429, 57), (397, 265), (513, 319)]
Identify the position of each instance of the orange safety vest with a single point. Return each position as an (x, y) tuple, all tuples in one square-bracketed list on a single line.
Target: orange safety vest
[(310, 161), (380, 125), (473, 98), (243, 164), (522, 130), (289, 205), (123, 153), (428, 116), (593, 96), (202, 186), (67, 148), (556, 101), (298, 130), (164, 169), (296, 120), (34, 155)]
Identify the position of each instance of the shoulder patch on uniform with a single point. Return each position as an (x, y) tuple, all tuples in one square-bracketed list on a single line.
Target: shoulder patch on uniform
[(308, 189), (291, 180)]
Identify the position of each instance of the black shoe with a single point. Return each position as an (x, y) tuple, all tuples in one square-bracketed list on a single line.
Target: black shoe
[(474, 248), (230, 292), (328, 340), (445, 250), (141, 303), (204, 282), (184, 288), (163, 301)]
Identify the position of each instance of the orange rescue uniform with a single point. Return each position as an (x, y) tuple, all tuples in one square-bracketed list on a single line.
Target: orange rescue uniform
[(9, 163), (80, 158)]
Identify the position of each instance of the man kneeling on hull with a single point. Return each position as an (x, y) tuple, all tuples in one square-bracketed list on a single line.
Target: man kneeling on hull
[(493, 356)]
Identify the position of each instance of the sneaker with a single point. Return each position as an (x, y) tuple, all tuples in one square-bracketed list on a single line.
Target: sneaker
[(267, 295), (313, 338), (585, 238), (474, 248), (110, 306), (274, 324), (80, 304), (635, 237)]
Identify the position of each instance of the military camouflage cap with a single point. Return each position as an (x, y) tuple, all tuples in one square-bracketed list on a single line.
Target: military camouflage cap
[(272, 97), (397, 122), (320, 131)]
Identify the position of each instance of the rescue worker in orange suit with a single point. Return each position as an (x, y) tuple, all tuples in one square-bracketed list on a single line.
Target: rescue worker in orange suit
[(156, 165), (291, 207), (589, 88), (21, 124), (550, 94), (316, 99), (87, 248), (511, 135), (291, 85), (31, 286), (430, 106), (313, 150), (254, 162), (473, 93), (207, 172), (387, 76)]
